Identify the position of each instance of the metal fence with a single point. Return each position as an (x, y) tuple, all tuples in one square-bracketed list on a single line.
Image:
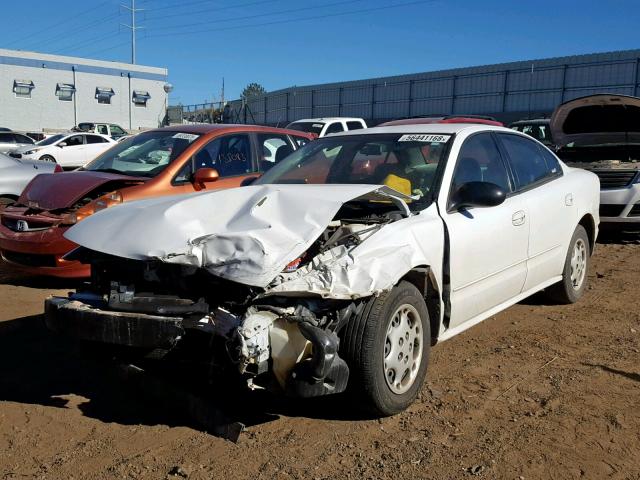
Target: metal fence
[(507, 91)]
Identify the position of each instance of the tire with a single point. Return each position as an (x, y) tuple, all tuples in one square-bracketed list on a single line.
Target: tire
[(367, 348), (48, 158), (574, 275)]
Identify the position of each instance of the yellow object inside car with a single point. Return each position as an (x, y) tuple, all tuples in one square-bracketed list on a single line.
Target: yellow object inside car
[(399, 184)]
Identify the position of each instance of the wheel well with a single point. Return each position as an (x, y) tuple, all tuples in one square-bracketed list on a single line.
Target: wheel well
[(590, 226), (422, 279)]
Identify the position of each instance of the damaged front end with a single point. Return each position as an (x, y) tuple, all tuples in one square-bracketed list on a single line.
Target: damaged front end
[(276, 337), (280, 344)]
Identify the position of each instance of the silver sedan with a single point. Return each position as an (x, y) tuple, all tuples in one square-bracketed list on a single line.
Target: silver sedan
[(15, 174)]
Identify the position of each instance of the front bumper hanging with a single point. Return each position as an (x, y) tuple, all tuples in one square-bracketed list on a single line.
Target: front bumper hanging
[(80, 320)]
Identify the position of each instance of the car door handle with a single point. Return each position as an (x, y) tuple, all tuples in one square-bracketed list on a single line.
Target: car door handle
[(518, 218)]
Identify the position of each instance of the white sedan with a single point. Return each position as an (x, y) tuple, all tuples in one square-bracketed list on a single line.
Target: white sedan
[(69, 150), (345, 261)]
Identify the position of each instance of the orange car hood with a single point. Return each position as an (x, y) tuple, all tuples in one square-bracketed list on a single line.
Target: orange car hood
[(63, 190)]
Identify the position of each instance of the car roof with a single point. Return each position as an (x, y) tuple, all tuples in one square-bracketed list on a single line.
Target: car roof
[(436, 128), (533, 121), (449, 119), (202, 129), (327, 119), (82, 132)]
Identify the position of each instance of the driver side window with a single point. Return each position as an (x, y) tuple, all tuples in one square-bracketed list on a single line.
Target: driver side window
[(230, 155), (479, 160)]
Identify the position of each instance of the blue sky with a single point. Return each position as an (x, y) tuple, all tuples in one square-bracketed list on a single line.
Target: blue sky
[(280, 43)]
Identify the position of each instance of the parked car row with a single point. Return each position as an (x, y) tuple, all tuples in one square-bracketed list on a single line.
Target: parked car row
[(305, 260)]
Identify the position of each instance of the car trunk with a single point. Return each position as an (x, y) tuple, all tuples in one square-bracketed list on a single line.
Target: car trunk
[(600, 133)]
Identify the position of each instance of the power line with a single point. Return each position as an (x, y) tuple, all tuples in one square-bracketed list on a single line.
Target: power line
[(87, 43), (96, 52), (66, 35), (301, 19), (57, 24), (208, 10), (248, 17)]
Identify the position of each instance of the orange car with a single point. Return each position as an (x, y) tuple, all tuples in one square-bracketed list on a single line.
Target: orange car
[(165, 161)]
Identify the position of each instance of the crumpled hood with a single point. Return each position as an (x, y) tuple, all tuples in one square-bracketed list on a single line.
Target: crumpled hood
[(597, 119), (247, 234), (62, 190)]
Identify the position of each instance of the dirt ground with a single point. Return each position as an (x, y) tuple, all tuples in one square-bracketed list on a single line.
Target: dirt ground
[(537, 392)]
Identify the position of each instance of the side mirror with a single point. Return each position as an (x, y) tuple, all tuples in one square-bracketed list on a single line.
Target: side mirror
[(62, 144), (477, 194), (249, 180), (205, 175)]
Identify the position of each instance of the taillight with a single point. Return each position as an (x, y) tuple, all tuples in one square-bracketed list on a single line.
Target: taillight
[(58, 169)]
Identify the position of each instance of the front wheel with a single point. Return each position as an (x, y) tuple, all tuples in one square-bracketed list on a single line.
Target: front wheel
[(48, 158), (574, 276), (387, 350)]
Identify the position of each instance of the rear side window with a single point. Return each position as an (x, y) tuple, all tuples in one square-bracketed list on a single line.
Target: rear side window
[(6, 138), (300, 141), (480, 161), (553, 165), (527, 162), (354, 126), (274, 148), (23, 139), (335, 128), (95, 139)]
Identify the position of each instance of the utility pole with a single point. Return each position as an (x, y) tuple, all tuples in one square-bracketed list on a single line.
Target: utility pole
[(133, 27)]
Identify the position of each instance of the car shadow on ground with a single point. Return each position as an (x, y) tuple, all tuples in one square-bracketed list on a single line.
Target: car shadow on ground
[(11, 276), (630, 375), (609, 235), (39, 367)]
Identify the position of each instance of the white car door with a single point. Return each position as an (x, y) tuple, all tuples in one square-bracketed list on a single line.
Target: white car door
[(552, 215), (95, 145), (72, 151), (487, 246)]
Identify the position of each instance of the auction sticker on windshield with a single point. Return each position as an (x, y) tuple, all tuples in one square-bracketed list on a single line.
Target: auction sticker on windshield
[(425, 138), (186, 136)]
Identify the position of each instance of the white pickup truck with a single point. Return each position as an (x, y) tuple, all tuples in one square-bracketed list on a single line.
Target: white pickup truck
[(328, 125), (110, 129), (343, 263)]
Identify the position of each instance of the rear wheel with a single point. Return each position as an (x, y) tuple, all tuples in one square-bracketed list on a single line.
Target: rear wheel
[(387, 350), (574, 275), (48, 158)]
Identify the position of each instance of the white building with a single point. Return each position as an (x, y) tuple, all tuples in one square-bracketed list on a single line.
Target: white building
[(40, 91)]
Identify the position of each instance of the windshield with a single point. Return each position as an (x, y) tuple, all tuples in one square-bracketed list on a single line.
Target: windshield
[(144, 155), (406, 163), (310, 127), (51, 140)]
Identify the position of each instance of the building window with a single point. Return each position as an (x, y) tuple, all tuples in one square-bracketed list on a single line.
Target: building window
[(104, 94), (65, 91), (22, 88), (140, 98)]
